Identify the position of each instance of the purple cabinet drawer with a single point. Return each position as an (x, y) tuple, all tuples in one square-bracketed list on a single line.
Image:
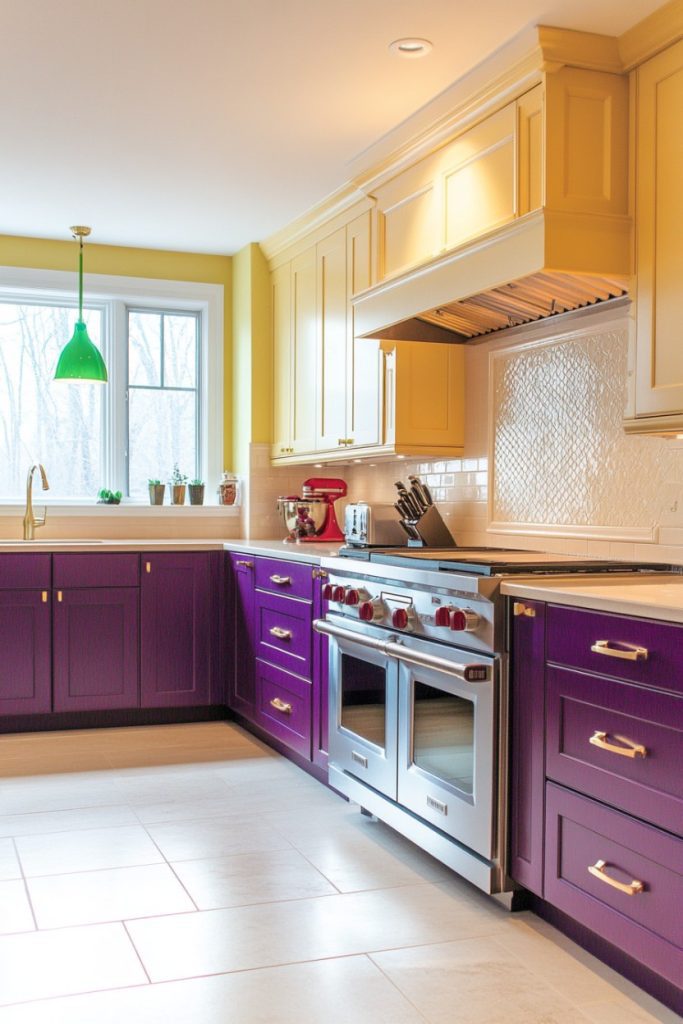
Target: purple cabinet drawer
[(119, 569), (646, 923), (25, 572), (284, 707), (573, 633), (284, 634), (620, 743), (277, 576)]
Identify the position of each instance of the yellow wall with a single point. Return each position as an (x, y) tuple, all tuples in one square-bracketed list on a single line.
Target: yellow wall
[(252, 354), (47, 254)]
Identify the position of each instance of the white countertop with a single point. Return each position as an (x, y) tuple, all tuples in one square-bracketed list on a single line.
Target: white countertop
[(309, 552), (656, 596)]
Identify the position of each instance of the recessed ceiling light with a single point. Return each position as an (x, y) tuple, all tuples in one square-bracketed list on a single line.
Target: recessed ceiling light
[(410, 47)]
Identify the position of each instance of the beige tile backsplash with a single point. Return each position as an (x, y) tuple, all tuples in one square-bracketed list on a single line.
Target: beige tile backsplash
[(558, 398)]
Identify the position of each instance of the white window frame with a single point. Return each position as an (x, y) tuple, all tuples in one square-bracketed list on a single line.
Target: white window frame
[(114, 295)]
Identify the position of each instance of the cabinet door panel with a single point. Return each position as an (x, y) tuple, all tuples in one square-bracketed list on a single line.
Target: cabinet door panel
[(331, 383), (25, 665), (429, 400), (96, 649), (305, 352), (530, 151), (243, 688), (176, 628), (659, 208), (364, 382), (408, 218), (479, 178), (281, 293)]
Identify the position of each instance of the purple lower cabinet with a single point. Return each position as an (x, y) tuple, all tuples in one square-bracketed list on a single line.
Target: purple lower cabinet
[(527, 744), (242, 634), (284, 707), (321, 726), (617, 876), (95, 644), (176, 629), (26, 662), (284, 635)]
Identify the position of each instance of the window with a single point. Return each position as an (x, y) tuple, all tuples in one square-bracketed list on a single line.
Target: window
[(162, 342)]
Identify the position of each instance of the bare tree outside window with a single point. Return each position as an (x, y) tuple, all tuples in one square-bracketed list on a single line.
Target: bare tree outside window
[(54, 422)]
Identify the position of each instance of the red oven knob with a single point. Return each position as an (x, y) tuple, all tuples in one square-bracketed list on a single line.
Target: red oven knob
[(442, 616), (355, 595), (464, 621), (327, 591), (338, 594), (370, 611), (400, 618)]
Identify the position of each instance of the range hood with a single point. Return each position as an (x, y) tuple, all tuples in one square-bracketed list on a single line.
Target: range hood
[(540, 265)]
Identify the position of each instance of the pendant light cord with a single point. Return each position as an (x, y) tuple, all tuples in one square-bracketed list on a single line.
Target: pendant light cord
[(80, 280)]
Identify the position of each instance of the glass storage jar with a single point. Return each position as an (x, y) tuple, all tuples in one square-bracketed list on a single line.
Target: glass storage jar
[(227, 489)]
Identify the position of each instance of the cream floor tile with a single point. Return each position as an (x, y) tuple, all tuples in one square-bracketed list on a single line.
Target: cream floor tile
[(244, 938), (334, 991), (251, 878), (565, 966), (631, 1013), (9, 862), (214, 837), (86, 850), (25, 795), (15, 909), (38, 965), (185, 810), (158, 786), (474, 981), (42, 822), (93, 897)]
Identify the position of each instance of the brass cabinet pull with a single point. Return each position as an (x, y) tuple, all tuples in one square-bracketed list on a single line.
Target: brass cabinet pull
[(280, 633), (599, 739), (519, 608), (341, 441), (60, 596), (349, 440), (280, 705), (320, 574), (148, 566), (627, 652), (245, 565), (43, 597), (599, 870), (282, 581)]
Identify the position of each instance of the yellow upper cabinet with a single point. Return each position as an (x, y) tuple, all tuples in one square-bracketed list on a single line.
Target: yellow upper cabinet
[(657, 402)]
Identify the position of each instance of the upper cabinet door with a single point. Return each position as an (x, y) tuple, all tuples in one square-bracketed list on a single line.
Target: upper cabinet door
[(364, 386), (304, 341), (332, 333), (281, 294), (659, 218), (407, 218)]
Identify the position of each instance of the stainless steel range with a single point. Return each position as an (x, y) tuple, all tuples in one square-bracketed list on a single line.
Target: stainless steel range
[(418, 694)]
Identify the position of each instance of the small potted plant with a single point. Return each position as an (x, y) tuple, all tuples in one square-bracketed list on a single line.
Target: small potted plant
[(156, 492), (196, 492), (178, 484), (107, 497)]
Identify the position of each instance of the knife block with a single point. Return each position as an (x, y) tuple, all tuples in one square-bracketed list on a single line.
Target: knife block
[(433, 531)]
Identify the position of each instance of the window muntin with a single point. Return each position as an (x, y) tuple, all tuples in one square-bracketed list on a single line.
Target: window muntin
[(163, 396)]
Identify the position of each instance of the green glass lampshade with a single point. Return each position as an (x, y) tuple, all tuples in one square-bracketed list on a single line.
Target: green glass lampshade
[(80, 359)]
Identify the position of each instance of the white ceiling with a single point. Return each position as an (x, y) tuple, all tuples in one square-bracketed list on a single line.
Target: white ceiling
[(202, 125)]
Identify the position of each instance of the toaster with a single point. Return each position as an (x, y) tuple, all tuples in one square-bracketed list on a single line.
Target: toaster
[(367, 526)]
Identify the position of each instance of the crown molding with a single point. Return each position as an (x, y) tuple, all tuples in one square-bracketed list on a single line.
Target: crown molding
[(659, 30)]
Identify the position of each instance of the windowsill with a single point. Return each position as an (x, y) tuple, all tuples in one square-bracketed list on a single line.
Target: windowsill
[(130, 508)]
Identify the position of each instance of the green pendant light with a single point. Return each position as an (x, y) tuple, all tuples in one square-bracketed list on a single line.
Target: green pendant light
[(80, 359)]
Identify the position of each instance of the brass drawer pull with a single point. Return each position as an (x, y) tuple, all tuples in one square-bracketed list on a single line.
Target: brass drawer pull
[(519, 608), (148, 566), (282, 581), (320, 574), (60, 596), (627, 652), (43, 597), (280, 705), (245, 565), (599, 870), (280, 633), (599, 739)]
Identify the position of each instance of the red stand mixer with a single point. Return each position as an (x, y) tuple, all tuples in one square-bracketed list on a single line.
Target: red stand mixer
[(311, 517)]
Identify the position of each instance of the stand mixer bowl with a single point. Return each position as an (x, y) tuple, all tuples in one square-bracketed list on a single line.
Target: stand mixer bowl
[(303, 517)]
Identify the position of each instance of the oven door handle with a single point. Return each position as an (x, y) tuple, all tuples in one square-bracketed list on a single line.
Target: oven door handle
[(393, 648), (339, 633), (472, 673)]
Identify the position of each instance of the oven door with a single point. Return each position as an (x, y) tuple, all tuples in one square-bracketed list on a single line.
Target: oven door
[(447, 742), (363, 695)]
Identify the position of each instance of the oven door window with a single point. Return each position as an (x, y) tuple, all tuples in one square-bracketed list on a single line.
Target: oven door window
[(364, 699), (443, 736)]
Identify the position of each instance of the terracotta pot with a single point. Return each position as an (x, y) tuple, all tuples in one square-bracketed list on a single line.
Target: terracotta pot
[(156, 494), (196, 494), (178, 494)]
